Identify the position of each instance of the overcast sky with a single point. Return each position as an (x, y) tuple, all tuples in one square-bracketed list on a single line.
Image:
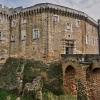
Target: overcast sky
[(90, 7)]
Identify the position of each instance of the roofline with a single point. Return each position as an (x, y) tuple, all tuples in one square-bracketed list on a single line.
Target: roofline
[(67, 8)]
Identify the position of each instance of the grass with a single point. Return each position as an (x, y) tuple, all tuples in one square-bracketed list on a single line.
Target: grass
[(4, 95), (46, 96), (51, 96)]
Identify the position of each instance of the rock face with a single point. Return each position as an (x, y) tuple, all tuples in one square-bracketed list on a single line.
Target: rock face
[(33, 90)]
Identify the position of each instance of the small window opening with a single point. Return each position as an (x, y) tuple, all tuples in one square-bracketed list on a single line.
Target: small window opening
[(24, 38), (33, 48), (68, 36), (24, 21), (77, 23), (2, 58), (56, 18)]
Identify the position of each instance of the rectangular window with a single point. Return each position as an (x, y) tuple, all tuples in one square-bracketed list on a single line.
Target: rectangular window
[(13, 38), (92, 40), (55, 18), (13, 23), (77, 23), (68, 26), (0, 36), (35, 34), (87, 40), (24, 38), (24, 21)]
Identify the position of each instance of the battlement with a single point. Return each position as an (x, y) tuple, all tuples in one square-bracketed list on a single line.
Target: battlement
[(4, 10)]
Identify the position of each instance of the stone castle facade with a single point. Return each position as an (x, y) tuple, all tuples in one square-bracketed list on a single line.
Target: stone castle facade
[(45, 31)]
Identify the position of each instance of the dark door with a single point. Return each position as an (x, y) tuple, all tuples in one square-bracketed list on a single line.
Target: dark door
[(69, 49)]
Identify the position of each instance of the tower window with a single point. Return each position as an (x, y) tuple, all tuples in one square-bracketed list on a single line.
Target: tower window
[(77, 23), (24, 21), (13, 23), (35, 34), (55, 18)]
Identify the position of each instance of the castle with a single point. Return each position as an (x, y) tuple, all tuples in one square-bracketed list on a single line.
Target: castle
[(45, 31)]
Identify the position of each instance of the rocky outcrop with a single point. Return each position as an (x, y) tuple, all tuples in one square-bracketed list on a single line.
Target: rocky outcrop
[(34, 89)]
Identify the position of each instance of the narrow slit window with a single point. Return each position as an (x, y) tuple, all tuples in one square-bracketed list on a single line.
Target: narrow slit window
[(87, 40), (0, 36), (92, 40)]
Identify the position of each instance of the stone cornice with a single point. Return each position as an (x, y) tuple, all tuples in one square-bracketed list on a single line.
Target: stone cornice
[(43, 8)]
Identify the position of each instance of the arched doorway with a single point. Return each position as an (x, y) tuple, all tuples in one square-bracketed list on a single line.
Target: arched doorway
[(71, 81)]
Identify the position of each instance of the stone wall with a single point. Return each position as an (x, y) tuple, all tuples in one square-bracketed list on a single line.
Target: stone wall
[(53, 35), (81, 76), (25, 48), (5, 37)]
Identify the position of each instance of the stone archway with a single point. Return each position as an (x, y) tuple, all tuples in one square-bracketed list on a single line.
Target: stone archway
[(93, 84), (71, 81)]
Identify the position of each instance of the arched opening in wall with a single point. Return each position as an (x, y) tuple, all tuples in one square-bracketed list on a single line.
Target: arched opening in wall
[(71, 81), (94, 84)]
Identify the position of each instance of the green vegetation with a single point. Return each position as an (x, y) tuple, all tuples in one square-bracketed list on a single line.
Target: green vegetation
[(32, 70), (52, 90), (51, 96), (46, 96), (55, 75)]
